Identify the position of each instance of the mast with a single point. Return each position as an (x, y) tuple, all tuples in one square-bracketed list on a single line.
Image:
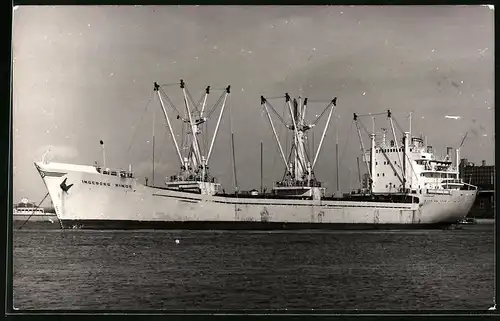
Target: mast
[(261, 167), (372, 157), (153, 174), (457, 160), (194, 167), (234, 165), (405, 146), (313, 146), (298, 142), (103, 153), (359, 172), (194, 127), (389, 117), (300, 170), (337, 156), (363, 146)]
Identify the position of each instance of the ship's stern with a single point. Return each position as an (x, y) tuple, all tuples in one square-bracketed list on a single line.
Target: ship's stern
[(438, 208), (469, 199)]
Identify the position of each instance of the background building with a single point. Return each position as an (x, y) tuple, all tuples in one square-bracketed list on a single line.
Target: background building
[(483, 177)]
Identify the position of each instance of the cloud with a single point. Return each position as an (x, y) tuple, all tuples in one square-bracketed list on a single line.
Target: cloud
[(59, 152)]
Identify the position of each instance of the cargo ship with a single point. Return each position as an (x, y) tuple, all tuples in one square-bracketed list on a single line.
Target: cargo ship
[(408, 187)]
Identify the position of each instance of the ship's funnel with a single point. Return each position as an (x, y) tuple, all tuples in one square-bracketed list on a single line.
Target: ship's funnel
[(448, 153)]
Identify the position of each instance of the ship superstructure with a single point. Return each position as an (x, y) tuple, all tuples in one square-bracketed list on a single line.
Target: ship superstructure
[(408, 186), (409, 166)]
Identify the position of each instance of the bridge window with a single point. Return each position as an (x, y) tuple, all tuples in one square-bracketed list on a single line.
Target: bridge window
[(383, 174)]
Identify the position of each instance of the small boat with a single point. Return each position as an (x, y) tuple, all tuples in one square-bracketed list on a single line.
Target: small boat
[(26, 210), (468, 221)]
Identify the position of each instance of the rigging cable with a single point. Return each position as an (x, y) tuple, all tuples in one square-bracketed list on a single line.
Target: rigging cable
[(276, 113), (165, 137), (324, 111), (287, 139), (341, 156), (200, 100), (371, 114), (192, 101), (216, 105), (205, 137), (171, 84), (169, 101), (142, 117), (184, 143), (280, 135), (398, 126), (33, 212), (235, 180)]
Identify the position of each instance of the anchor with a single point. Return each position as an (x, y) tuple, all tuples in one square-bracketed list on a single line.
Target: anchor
[(65, 187)]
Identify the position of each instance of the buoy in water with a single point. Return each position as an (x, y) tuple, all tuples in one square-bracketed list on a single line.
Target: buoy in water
[(177, 241)]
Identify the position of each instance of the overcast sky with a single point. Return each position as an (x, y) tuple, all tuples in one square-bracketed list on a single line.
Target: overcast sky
[(85, 73)]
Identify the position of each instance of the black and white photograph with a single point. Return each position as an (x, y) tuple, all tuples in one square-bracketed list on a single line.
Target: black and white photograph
[(257, 158)]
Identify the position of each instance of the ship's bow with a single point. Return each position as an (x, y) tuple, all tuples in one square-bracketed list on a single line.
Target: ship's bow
[(53, 178)]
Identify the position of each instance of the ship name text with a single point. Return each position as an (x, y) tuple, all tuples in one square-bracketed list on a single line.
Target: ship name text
[(105, 184)]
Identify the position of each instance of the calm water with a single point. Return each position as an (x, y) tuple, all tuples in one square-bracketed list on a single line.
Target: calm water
[(438, 269)]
